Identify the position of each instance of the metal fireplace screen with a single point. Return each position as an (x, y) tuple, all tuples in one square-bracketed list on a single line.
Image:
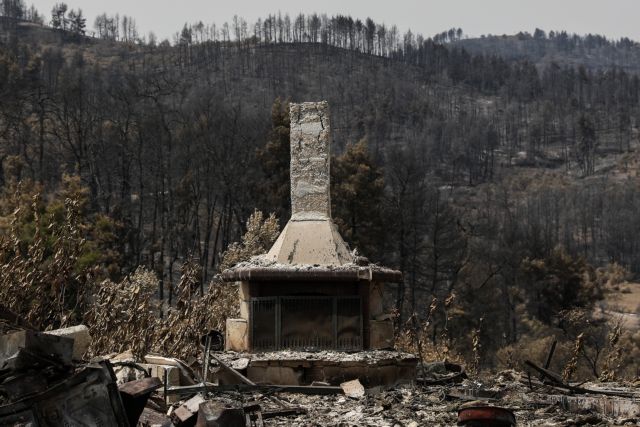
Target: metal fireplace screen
[(306, 323)]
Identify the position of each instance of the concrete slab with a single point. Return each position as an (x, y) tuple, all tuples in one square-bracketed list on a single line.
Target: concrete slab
[(237, 335), (371, 368), (81, 338), (59, 347)]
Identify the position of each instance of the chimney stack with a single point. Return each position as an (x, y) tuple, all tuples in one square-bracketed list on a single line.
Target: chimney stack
[(310, 161), (310, 236)]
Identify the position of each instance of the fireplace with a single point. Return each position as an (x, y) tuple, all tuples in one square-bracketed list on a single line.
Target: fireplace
[(306, 323), (310, 292)]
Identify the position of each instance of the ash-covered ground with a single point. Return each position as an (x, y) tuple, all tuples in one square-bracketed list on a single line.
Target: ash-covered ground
[(533, 404)]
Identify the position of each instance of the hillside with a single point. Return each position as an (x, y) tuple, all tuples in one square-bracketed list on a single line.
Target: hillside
[(457, 119), (482, 178), (594, 52)]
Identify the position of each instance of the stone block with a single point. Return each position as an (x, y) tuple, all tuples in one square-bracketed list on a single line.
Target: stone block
[(58, 347), (157, 371), (237, 335), (244, 291), (278, 375), (380, 334), (81, 338), (376, 300), (245, 309)]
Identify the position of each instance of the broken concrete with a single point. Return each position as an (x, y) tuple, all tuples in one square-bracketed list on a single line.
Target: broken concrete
[(187, 413), (57, 347), (353, 389), (373, 368), (79, 334)]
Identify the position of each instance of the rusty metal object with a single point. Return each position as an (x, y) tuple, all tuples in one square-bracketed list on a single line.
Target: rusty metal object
[(134, 395), (217, 340), (486, 416)]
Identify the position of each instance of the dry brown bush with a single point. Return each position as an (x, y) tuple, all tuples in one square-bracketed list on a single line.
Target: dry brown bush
[(260, 235), (587, 348), (39, 279), (415, 335), (125, 314), (179, 333), (613, 275)]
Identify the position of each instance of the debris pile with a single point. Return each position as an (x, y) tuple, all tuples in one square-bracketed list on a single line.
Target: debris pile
[(45, 382), (41, 382)]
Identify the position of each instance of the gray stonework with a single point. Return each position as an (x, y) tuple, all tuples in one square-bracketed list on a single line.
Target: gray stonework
[(310, 236), (310, 160)]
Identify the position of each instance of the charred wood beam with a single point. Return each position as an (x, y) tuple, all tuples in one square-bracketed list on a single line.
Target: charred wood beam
[(549, 357), (558, 383)]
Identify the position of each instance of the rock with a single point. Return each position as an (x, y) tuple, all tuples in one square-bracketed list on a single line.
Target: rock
[(353, 389)]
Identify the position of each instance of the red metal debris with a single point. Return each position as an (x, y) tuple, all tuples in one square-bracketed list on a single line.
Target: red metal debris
[(486, 416)]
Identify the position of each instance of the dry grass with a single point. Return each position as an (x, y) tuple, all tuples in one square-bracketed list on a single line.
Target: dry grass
[(415, 335)]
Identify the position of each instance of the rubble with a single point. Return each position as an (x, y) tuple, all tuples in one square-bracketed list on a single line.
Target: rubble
[(42, 385), (352, 388), (80, 336), (325, 355), (187, 412), (25, 343)]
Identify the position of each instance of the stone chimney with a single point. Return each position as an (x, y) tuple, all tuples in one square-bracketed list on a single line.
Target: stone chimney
[(310, 236), (310, 161)]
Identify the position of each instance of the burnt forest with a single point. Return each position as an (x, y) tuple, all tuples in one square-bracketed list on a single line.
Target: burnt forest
[(496, 177)]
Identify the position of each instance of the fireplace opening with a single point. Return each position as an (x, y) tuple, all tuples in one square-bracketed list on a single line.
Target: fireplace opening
[(306, 323)]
